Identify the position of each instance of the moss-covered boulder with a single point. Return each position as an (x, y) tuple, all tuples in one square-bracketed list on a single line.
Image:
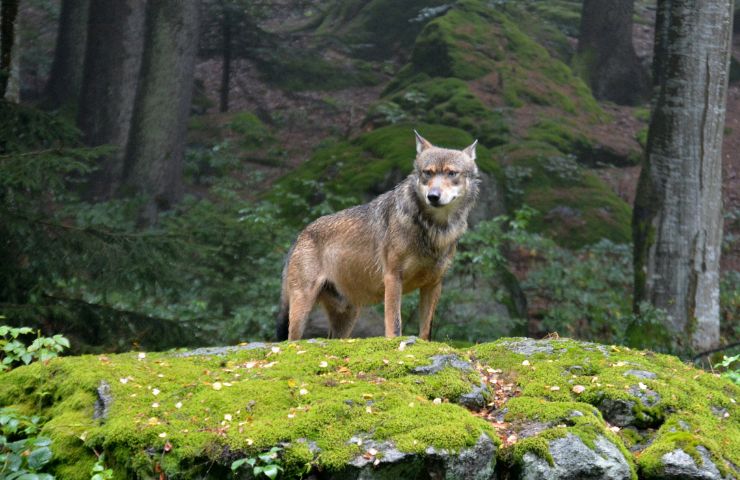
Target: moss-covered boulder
[(378, 408)]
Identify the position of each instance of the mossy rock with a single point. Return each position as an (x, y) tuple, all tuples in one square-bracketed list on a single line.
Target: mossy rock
[(338, 405), (446, 101), (355, 171), (575, 207), (475, 39)]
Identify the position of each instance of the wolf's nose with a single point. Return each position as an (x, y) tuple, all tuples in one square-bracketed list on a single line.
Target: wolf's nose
[(433, 196)]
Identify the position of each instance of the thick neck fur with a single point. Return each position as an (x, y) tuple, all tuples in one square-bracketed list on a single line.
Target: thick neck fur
[(440, 227)]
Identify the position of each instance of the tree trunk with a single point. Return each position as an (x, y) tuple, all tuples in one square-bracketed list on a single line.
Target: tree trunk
[(677, 220), (13, 88), (154, 160), (115, 41), (606, 55), (65, 79), (226, 65), (8, 14)]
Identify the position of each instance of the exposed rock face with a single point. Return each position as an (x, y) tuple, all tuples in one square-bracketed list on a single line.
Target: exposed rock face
[(573, 460), (679, 465), (475, 463)]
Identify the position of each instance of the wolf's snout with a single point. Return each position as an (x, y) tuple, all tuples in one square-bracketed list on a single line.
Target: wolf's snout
[(434, 195)]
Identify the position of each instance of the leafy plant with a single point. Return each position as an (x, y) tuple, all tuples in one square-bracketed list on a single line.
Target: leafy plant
[(266, 464), (13, 350), (99, 471), (23, 455), (731, 367)]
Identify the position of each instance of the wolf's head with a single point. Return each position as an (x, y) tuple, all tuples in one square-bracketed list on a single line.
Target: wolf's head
[(445, 178)]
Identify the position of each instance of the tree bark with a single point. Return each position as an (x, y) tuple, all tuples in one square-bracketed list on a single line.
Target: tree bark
[(606, 54), (226, 49), (115, 41), (154, 160), (8, 14), (65, 78), (677, 220)]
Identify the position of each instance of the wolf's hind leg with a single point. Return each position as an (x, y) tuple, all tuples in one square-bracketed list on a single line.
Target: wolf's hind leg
[(342, 315), (301, 303)]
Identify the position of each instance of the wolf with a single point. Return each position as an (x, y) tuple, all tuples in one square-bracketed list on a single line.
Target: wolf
[(401, 241)]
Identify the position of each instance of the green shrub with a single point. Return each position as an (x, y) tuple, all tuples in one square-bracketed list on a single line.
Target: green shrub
[(14, 351), (23, 454)]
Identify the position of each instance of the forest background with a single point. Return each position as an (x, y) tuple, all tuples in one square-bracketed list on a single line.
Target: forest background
[(157, 160)]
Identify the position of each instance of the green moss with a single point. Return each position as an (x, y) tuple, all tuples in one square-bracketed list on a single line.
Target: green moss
[(204, 406), (449, 102), (687, 397), (213, 409), (475, 41), (576, 207)]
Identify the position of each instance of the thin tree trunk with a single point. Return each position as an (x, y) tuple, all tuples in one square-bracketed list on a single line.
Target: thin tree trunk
[(65, 79), (13, 89), (677, 219), (8, 14), (606, 55), (226, 65), (115, 41), (154, 160)]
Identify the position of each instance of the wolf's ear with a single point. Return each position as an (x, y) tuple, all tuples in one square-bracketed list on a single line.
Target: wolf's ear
[(470, 151), (421, 143)]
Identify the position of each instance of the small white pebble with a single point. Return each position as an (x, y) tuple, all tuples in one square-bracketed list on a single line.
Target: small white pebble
[(578, 389), (275, 349), (155, 405), (324, 364), (402, 346), (437, 401), (142, 355), (155, 391), (554, 388), (178, 405), (217, 386), (303, 391), (525, 363), (163, 435), (123, 380), (227, 417), (642, 386)]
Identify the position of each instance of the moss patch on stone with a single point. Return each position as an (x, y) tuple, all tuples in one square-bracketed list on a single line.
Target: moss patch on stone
[(575, 207), (691, 407), (474, 40), (447, 101), (313, 397)]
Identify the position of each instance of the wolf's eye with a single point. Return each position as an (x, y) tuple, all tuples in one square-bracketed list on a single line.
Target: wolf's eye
[(452, 173), (427, 173)]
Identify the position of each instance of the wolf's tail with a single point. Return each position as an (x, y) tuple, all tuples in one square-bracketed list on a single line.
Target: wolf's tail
[(281, 326), (283, 317)]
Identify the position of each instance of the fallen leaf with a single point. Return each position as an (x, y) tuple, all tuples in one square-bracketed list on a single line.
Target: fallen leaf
[(217, 386)]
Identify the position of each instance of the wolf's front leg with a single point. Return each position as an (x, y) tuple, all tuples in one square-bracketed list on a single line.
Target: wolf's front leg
[(428, 298), (393, 292)]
